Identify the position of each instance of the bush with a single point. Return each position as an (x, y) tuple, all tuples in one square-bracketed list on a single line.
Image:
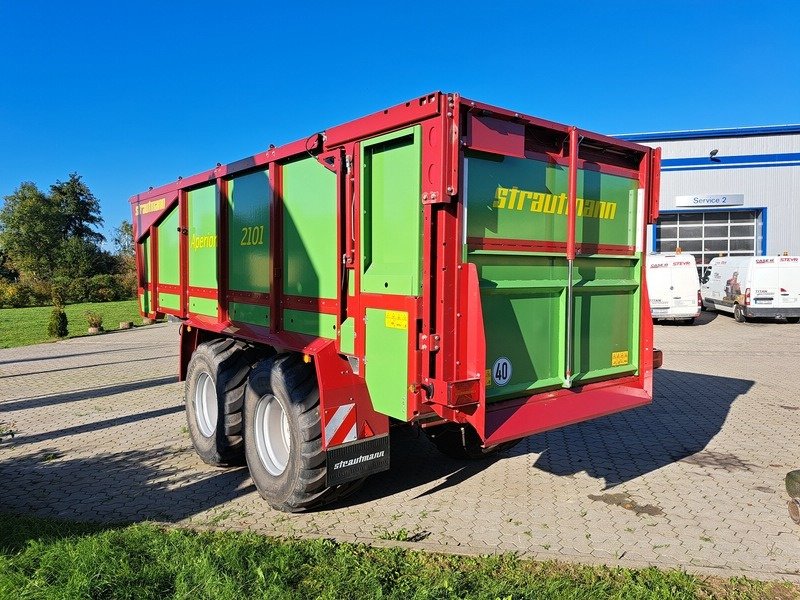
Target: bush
[(94, 319), (58, 323)]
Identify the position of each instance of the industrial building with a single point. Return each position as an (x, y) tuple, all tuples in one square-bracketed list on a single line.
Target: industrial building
[(728, 191)]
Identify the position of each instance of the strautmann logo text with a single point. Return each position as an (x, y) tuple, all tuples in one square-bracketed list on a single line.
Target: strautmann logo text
[(554, 204)]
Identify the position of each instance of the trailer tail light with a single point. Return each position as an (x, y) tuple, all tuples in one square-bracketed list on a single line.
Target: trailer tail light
[(747, 297)]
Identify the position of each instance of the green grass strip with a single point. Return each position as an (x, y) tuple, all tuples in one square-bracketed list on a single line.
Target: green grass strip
[(25, 326), (40, 558)]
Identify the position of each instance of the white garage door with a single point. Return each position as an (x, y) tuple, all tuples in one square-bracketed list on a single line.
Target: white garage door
[(709, 234)]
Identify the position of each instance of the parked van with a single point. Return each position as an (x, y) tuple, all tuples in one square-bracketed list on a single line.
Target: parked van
[(673, 286), (754, 286)]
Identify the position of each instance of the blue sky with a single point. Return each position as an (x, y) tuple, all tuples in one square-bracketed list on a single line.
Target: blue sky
[(133, 95)]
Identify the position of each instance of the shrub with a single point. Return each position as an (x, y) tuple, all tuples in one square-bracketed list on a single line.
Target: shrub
[(58, 323), (94, 319)]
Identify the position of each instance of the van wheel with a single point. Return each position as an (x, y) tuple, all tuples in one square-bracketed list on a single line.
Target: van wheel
[(793, 319), (691, 321), (283, 436), (462, 442), (738, 313), (214, 395)]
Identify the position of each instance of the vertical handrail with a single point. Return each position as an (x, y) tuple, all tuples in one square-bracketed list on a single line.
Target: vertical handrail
[(572, 191)]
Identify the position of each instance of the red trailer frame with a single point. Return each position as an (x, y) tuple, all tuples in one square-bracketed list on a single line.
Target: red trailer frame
[(446, 367)]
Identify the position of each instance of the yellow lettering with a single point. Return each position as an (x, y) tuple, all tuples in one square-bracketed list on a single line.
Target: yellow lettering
[(538, 202), (523, 195), (513, 199), (500, 197)]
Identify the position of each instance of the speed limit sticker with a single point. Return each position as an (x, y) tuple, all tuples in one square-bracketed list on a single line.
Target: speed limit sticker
[(501, 371)]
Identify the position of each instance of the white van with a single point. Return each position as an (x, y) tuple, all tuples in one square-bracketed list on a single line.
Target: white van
[(754, 286), (673, 286)]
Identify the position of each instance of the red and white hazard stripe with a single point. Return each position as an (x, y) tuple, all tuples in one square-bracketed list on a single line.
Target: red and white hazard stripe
[(341, 427)]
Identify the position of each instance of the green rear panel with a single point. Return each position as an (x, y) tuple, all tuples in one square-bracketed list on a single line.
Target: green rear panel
[(248, 232), (524, 294), (524, 199), (169, 270), (386, 362), (203, 247), (310, 262), (146, 299), (391, 215)]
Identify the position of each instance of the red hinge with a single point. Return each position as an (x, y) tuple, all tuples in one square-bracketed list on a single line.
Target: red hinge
[(429, 342)]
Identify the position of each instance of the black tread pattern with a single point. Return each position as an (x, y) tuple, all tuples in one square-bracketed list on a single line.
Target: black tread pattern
[(288, 377), (230, 362)]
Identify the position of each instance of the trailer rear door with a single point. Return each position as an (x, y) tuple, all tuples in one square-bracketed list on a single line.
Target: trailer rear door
[(516, 233)]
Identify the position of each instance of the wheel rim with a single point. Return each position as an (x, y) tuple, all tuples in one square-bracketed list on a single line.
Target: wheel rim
[(272, 437), (205, 405)]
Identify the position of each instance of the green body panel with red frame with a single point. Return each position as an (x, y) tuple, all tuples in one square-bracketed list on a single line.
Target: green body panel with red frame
[(524, 292)]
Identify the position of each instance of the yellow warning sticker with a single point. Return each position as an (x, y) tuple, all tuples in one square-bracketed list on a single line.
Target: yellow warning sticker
[(488, 377), (396, 319), (619, 358)]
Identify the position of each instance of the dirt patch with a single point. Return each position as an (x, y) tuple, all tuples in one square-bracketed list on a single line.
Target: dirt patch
[(626, 502), (724, 461)]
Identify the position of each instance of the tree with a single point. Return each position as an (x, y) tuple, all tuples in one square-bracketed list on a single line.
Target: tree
[(32, 231), (123, 239), (80, 209), (50, 236), (7, 270)]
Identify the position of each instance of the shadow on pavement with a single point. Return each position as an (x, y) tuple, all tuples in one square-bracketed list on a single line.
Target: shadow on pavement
[(120, 487), (21, 440), (688, 411), (73, 355), (87, 394), (705, 318), (91, 366)]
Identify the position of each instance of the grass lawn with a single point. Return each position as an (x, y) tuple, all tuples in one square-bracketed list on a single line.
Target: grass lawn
[(25, 326), (40, 558)]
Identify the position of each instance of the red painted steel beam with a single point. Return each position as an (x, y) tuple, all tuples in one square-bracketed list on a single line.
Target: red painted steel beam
[(572, 192)]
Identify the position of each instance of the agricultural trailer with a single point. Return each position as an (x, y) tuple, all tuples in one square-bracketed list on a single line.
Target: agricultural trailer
[(472, 270)]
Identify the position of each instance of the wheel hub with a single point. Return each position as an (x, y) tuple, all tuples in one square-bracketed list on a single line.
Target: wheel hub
[(205, 405), (271, 434)]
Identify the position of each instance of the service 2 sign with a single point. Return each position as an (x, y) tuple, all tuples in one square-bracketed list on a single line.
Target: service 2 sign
[(710, 200)]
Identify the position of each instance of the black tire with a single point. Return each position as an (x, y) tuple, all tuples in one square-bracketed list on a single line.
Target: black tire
[(462, 442), (691, 321), (738, 313), (299, 483), (225, 363), (793, 319)]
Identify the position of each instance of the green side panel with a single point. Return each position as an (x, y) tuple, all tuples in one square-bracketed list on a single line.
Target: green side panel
[(172, 301), (524, 199), (168, 250), (248, 232), (310, 323), (146, 299), (310, 259), (253, 314), (203, 238), (391, 218), (347, 336), (203, 306), (386, 365)]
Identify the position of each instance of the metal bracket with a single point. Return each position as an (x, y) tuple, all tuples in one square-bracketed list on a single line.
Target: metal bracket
[(429, 342)]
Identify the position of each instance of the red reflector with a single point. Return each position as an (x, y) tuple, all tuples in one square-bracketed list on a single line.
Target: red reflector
[(784, 291), (658, 358)]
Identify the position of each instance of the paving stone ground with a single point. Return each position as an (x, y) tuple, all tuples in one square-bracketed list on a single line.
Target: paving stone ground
[(693, 481)]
